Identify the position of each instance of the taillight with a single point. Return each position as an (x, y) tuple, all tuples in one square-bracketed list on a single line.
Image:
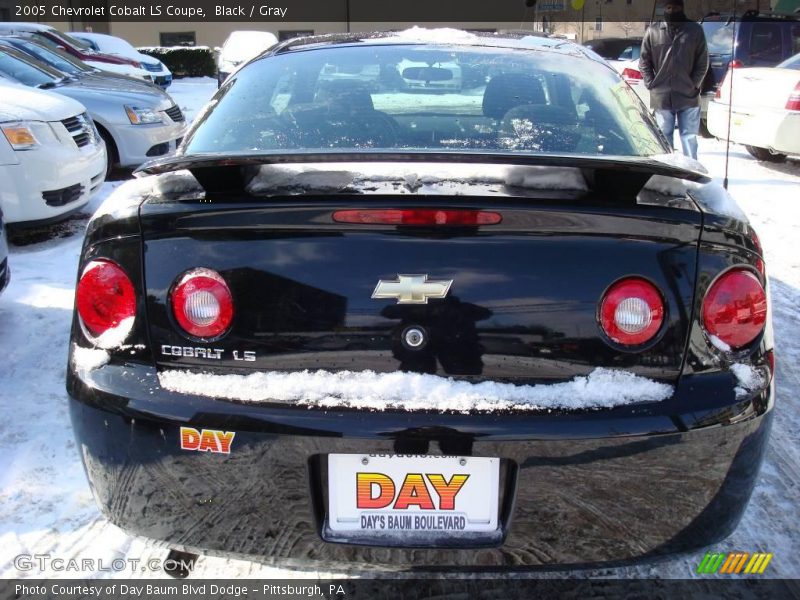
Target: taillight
[(793, 103), (735, 308), (202, 303), (718, 93), (735, 64), (629, 73), (105, 297), (632, 311), (418, 217)]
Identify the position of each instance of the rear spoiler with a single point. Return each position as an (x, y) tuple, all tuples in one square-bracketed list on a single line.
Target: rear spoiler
[(620, 176)]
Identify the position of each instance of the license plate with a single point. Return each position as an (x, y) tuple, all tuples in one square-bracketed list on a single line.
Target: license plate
[(418, 493)]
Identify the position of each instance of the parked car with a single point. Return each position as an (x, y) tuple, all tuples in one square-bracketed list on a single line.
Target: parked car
[(627, 65), (760, 41), (239, 47), (51, 37), (5, 270), (612, 48), (136, 124), (116, 46), (67, 64), (52, 161), (765, 113), (570, 359)]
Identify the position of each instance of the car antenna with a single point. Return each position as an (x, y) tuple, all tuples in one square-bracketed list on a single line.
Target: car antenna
[(730, 97)]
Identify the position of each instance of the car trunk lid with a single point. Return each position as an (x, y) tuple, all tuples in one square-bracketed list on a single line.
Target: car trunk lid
[(522, 295)]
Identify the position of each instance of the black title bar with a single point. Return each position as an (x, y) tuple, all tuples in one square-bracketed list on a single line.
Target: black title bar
[(519, 13)]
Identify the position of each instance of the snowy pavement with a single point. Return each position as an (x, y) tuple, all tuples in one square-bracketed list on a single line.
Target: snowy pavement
[(46, 505)]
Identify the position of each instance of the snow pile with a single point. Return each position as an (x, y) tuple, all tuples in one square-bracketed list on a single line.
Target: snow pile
[(718, 343), (114, 337), (424, 177), (132, 193), (88, 359), (546, 178), (711, 197), (146, 49), (682, 161), (441, 35), (749, 378), (602, 388), (125, 197)]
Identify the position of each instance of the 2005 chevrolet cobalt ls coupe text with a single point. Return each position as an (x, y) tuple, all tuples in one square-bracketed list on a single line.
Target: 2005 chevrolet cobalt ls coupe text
[(358, 319)]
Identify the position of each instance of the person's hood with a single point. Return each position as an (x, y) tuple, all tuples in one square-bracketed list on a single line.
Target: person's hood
[(21, 103)]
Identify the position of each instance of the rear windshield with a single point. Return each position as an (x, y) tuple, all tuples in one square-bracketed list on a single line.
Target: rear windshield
[(718, 36), (422, 98)]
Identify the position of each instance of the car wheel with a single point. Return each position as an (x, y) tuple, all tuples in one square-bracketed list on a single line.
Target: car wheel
[(111, 152), (765, 155)]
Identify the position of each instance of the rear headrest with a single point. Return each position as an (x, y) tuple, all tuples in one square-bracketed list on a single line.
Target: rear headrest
[(345, 95), (540, 127), (504, 92)]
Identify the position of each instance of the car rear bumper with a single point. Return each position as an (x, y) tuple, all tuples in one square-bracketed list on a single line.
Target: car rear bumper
[(777, 130), (604, 487), (51, 182)]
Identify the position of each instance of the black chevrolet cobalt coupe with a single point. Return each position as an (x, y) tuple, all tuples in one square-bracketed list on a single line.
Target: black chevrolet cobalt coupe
[(424, 299)]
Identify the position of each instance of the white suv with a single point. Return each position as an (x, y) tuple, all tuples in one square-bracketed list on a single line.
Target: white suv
[(52, 161)]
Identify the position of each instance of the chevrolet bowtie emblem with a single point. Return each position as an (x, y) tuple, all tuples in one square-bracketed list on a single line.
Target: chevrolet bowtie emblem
[(412, 289)]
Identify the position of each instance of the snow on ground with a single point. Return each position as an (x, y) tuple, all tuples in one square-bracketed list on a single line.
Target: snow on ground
[(191, 93), (45, 502)]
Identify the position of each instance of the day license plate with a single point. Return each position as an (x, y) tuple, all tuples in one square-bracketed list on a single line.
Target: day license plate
[(419, 493)]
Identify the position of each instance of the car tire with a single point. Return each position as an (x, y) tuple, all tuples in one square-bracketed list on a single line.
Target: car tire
[(765, 155), (111, 151)]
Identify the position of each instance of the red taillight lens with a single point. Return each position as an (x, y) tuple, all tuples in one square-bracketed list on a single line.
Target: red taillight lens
[(735, 64), (793, 103), (104, 297), (631, 74), (202, 303), (418, 217), (632, 311), (735, 308)]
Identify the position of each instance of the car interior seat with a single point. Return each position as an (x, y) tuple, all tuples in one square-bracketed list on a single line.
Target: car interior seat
[(343, 114), (541, 127)]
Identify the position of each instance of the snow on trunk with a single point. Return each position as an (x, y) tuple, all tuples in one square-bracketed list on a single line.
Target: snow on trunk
[(602, 388)]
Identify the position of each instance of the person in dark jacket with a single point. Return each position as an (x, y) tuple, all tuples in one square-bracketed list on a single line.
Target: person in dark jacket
[(673, 62)]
